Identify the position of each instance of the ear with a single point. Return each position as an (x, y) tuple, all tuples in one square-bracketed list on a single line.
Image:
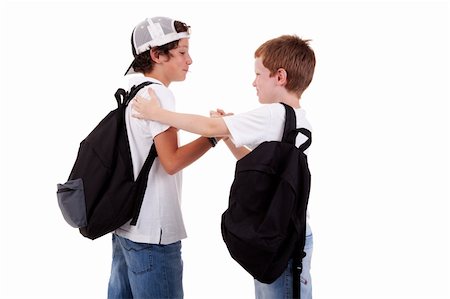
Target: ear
[(282, 76), (154, 56)]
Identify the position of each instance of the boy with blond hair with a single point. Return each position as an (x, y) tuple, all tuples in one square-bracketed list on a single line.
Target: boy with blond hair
[(284, 68)]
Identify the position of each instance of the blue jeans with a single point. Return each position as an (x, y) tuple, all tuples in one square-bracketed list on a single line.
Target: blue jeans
[(282, 287), (147, 271)]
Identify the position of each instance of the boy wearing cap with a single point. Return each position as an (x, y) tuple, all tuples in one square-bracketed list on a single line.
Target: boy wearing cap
[(284, 68), (147, 257)]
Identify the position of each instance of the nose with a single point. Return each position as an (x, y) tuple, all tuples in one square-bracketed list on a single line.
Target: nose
[(189, 60), (254, 83)]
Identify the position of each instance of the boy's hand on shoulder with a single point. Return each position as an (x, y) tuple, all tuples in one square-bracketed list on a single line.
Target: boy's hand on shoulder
[(146, 109)]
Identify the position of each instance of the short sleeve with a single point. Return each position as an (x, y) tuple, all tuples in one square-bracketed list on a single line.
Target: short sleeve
[(166, 100), (249, 128)]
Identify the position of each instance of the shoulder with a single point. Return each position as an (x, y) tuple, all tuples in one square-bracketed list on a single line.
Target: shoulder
[(160, 89), (276, 109), (266, 111), (278, 113), (165, 95), (302, 120)]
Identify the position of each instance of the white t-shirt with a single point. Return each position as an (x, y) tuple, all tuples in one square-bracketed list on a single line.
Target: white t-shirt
[(160, 220), (265, 123)]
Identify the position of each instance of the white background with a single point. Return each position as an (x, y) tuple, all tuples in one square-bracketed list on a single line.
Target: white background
[(379, 106)]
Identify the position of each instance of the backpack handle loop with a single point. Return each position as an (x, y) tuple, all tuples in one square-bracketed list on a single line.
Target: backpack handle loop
[(307, 143), (120, 96), (290, 131)]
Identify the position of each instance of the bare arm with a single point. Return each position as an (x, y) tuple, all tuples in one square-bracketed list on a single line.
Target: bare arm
[(197, 124), (174, 158), (238, 152)]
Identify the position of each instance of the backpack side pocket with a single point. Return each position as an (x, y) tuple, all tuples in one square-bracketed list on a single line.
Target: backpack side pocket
[(72, 203)]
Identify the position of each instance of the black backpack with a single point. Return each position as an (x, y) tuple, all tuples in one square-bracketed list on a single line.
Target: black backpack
[(101, 193), (265, 223)]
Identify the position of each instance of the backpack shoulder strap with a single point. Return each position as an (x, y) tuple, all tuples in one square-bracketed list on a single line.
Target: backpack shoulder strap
[(290, 123), (289, 135), (297, 267), (134, 90), (142, 182), (290, 131), (123, 97)]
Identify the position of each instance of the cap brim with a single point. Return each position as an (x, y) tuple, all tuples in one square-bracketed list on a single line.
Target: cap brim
[(130, 69)]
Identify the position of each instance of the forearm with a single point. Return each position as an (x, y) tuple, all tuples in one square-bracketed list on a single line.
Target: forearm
[(197, 124), (185, 155), (238, 152), (174, 158)]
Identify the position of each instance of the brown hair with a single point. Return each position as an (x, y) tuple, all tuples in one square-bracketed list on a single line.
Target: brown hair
[(143, 62), (293, 55)]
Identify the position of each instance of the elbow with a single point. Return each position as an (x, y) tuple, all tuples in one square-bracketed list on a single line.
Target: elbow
[(172, 171), (214, 128), (171, 168)]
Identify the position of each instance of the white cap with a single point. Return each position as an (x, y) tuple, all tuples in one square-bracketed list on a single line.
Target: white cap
[(153, 32)]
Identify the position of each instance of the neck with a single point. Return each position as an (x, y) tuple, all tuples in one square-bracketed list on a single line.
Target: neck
[(291, 99), (158, 76)]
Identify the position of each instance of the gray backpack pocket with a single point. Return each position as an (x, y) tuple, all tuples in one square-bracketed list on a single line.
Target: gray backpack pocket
[(72, 203)]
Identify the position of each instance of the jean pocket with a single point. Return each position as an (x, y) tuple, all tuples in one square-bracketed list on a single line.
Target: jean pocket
[(138, 255), (72, 203)]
